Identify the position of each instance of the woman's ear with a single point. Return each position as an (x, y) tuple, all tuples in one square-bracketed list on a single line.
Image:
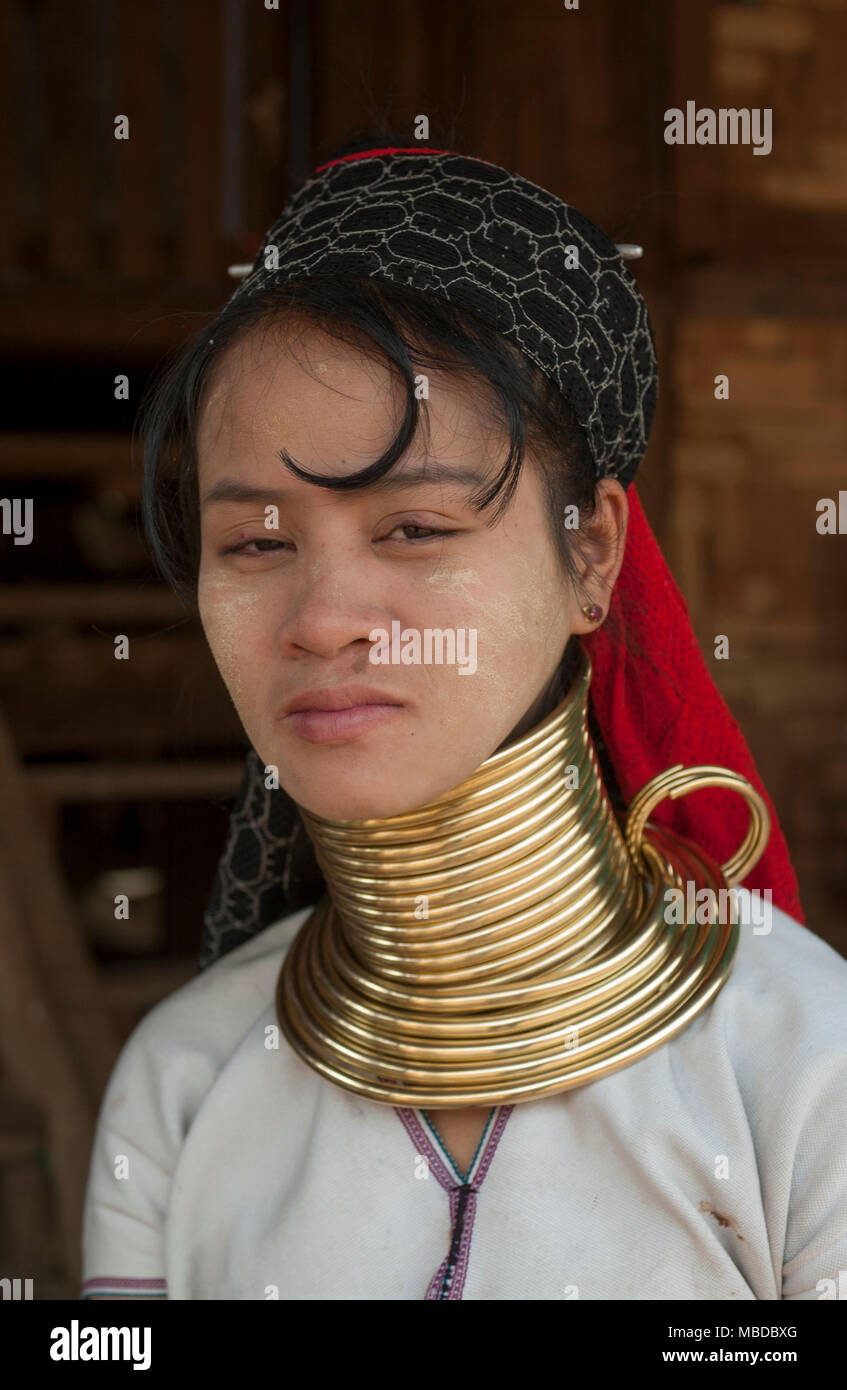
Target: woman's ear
[(601, 551)]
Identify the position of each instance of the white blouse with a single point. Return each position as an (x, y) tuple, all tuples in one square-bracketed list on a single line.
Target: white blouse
[(715, 1167)]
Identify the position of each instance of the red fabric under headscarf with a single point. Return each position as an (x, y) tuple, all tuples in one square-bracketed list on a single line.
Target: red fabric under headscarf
[(657, 705)]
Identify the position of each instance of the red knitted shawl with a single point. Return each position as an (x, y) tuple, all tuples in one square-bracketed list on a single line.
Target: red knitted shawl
[(657, 704)]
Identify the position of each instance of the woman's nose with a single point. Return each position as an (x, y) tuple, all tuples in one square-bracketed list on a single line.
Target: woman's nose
[(333, 605)]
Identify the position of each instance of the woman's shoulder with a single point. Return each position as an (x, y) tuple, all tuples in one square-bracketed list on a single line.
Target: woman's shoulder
[(159, 1082), (201, 1024), (781, 1016), (786, 967), (778, 1048)]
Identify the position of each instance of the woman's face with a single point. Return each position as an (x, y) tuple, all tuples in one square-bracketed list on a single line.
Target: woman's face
[(293, 610)]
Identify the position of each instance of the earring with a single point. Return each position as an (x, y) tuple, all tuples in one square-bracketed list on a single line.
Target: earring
[(593, 612)]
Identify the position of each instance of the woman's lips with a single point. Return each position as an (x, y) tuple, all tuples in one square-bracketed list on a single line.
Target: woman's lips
[(340, 725)]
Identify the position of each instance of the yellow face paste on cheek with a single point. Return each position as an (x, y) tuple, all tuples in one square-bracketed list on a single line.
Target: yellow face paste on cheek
[(229, 622), (521, 627)]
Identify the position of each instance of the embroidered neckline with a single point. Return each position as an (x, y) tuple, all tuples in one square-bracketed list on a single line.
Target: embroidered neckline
[(463, 1177)]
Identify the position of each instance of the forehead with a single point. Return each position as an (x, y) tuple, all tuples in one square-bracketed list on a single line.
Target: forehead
[(298, 387)]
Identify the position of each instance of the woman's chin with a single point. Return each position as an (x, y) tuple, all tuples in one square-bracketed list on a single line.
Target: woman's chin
[(352, 782), (376, 795), (378, 806)]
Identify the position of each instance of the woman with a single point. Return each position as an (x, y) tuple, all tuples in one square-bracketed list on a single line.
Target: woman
[(478, 1017)]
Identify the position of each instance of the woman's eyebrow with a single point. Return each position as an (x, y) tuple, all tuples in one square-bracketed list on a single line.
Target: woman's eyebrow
[(235, 490)]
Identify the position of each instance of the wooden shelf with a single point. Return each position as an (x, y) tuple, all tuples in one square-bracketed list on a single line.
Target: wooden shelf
[(121, 316), (65, 695), (739, 292), (116, 781), (94, 602), (73, 455)]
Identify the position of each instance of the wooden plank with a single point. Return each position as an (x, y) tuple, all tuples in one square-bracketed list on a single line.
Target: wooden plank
[(201, 255), (698, 208), (67, 60), (779, 235), (779, 31), (34, 604), (43, 905), (172, 39), (157, 781), (29, 133), (114, 316), (104, 151), (67, 695), (233, 166), (267, 127), (640, 49), (138, 251), (399, 62), (38, 1046), (788, 207), (300, 65), (56, 454), (9, 223)]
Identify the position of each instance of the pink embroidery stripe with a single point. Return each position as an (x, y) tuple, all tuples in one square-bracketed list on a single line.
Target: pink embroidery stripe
[(118, 1283), (459, 1273), (491, 1147), (424, 1145)]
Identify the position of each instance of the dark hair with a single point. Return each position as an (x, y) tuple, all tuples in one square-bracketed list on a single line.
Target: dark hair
[(403, 327)]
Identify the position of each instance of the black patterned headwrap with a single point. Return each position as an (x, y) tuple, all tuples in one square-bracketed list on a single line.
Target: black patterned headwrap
[(527, 264)]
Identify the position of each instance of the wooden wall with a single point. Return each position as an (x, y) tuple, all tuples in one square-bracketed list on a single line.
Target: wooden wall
[(760, 296)]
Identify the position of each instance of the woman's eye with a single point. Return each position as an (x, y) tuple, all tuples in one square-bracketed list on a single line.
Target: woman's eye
[(241, 547), (413, 526), (263, 543)]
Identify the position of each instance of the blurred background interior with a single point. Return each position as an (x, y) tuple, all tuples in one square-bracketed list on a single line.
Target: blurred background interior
[(119, 776)]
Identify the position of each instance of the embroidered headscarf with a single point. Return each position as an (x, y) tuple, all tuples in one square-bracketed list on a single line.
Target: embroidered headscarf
[(542, 274)]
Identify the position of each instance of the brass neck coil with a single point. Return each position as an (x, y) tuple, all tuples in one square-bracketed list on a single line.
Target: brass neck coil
[(508, 940)]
